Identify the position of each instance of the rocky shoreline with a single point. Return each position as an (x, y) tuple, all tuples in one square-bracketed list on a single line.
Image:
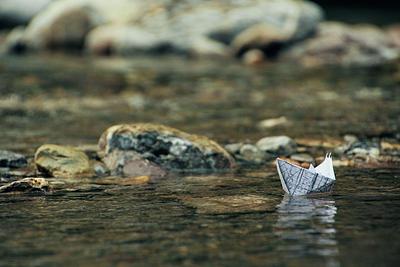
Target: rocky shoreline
[(134, 154), (252, 30)]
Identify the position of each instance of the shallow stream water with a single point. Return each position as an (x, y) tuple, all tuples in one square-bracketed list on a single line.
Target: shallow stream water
[(70, 100)]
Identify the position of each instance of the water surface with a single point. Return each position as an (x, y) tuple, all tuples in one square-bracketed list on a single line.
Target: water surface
[(70, 100)]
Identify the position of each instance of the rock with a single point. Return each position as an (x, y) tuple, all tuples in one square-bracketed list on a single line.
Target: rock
[(340, 44), (273, 122), (257, 24), (234, 148), (100, 169), (393, 32), (363, 150), (151, 145), (14, 42), (130, 163), (349, 140), (123, 40), (12, 160), (206, 28), (253, 57), (18, 12), (277, 145), (62, 161), (390, 148), (260, 37), (302, 157), (251, 153), (63, 24), (26, 185), (230, 204), (203, 46)]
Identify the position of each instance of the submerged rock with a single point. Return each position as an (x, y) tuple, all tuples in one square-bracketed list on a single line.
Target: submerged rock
[(230, 204), (277, 145), (337, 43), (62, 161), (125, 147), (26, 185), (12, 160)]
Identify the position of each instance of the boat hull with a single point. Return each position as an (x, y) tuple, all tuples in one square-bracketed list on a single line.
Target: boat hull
[(297, 181)]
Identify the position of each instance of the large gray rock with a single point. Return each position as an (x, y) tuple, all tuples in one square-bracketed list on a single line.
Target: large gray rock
[(277, 145), (340, 44), (125, 147), (12, 160)]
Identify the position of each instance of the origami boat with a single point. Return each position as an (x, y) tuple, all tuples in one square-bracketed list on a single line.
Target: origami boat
[(297, 181)]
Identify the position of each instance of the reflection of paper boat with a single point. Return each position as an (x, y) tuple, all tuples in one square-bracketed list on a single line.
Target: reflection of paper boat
[(297, 181)]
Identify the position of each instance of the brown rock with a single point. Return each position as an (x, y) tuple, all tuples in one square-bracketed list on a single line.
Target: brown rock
[(62, 161)]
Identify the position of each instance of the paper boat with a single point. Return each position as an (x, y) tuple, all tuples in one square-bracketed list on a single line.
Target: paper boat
[(297, 181)]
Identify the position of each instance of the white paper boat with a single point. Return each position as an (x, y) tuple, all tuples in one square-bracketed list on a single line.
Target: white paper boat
[(297, 181)]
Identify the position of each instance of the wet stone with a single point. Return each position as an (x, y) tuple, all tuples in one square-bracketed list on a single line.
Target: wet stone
[(26, 185), (230, 204), (277, 145), (125, 147), (251, 153), (12, 160), (363, 150), (302, 157), (62, 161), (234, 148)]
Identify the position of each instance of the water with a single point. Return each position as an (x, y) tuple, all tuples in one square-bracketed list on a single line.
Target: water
[(149, 225), (70, 100)]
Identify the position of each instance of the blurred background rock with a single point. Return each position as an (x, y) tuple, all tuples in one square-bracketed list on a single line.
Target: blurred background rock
[(253, 30)]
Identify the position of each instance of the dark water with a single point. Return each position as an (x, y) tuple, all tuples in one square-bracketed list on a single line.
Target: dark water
[(148, 225), (69, 100)]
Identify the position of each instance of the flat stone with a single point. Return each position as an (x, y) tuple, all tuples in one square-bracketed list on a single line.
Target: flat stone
[(128, 148), (26, 185), (12, 160), (231, 204), (62, 161)]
